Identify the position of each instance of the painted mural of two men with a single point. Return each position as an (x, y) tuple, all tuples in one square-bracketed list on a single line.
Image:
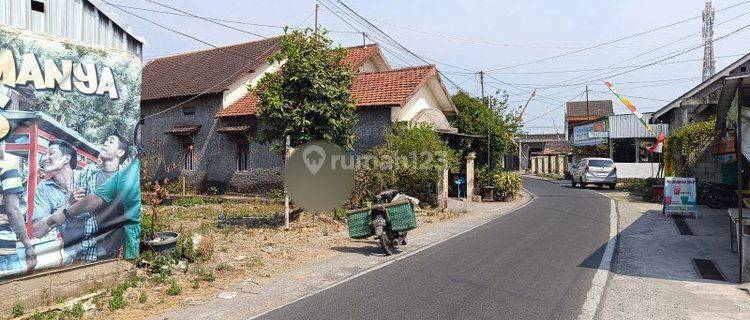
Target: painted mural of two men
[(87, 236)]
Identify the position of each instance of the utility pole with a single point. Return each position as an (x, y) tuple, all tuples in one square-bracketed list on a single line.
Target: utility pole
[(588, 115), (481, 83), (317, 7), (364, 38)]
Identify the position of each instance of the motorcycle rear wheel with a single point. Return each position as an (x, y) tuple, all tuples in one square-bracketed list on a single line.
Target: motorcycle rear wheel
[(714, 200), (386, 244)]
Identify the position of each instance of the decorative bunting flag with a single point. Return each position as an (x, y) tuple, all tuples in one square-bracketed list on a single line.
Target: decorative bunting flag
[(523, 109), (629, 105), (657, 147)]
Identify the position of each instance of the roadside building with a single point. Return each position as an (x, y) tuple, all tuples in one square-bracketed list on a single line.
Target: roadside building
[(87, 21), (710, 98), (201, 116), (577, 112), (532, 145), (624, 139)]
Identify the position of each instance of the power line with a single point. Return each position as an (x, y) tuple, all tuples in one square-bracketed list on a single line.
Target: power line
[(588, 76), (547, 86), (253, 61), (205, 19), (228, 20), (606, 68), (610, 42), (550, 111), (369, 25), (502, 44)]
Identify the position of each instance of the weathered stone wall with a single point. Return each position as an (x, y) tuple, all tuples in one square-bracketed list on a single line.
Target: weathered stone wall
[(372, 125), (215, 161)]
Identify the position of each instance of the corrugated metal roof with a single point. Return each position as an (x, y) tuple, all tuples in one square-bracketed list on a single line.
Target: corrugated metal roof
[(82, 20), (623, 126)]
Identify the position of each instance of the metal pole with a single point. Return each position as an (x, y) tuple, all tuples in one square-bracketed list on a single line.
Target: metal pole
[(286, 194), (588, 115), (317, 7), (738, 140), (481, 83), (364, 39)]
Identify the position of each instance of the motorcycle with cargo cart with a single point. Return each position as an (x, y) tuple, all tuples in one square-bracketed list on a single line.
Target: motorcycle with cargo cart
[(388, 221)]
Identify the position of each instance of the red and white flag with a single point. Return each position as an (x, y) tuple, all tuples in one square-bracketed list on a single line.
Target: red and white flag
[(658, 146)]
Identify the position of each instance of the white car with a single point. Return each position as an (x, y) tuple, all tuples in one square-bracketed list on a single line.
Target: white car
[(598, 171)]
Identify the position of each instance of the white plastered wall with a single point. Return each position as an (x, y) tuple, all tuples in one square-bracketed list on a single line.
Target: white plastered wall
[(238, 89)]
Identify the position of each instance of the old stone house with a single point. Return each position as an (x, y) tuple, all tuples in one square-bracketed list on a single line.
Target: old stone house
[(199, 115)]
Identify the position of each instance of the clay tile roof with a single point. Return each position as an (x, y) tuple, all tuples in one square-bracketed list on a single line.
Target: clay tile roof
[(389, 88), (234, 129), (358, 55), (207, 71), (385, 88), (183, 129), (597, 108), (246, 106)]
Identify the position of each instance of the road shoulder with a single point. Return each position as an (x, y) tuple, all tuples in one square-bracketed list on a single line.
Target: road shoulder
[(653, 276), (247, 301)]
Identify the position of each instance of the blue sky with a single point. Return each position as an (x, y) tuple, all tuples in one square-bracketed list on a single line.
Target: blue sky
[(472, 35)]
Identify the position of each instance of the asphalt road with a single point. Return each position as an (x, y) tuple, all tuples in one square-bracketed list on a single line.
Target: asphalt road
[(535, 263)]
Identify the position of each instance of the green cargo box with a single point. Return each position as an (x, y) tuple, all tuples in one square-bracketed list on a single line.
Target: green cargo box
[(359, 223), (402, 216)]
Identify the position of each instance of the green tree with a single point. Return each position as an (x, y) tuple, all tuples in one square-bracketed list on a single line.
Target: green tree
[(309, 98), (493, 117)]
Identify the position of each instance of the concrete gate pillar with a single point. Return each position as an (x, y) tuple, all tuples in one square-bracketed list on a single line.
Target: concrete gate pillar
[(533, 164), (470, 175), (561, 164), (442, 196), (545, 168)]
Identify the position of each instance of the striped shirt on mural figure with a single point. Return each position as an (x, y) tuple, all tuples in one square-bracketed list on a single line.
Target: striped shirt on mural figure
[(12, 225)]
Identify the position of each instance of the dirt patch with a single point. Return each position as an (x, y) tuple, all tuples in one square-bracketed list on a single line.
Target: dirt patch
[(245, 257)]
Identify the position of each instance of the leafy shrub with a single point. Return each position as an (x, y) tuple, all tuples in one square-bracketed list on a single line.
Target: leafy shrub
[(641, 187), (411, 160), (174, 289), (208, 276), (117, 301), (17, 311), (682, 147), (508, 183), (188, 201), (143, 297)]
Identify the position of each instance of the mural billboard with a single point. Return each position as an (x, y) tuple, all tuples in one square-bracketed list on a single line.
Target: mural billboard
[(69, 173), (590, 134)]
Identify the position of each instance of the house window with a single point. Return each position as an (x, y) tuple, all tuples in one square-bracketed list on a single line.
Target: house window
[(188, 110), (243, 154), (37, 6), (187, 158)]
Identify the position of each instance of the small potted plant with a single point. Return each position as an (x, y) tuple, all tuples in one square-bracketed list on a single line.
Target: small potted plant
[(163, 242)]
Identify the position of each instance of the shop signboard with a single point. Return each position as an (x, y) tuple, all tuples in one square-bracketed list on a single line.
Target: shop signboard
[(590, 134), (680, 196), (68, 114)]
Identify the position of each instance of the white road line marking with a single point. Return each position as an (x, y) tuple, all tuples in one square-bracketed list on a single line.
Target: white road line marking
[(596, 292), (400, 257)]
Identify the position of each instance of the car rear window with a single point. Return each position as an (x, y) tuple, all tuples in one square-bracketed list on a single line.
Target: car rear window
[(601, 163)]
